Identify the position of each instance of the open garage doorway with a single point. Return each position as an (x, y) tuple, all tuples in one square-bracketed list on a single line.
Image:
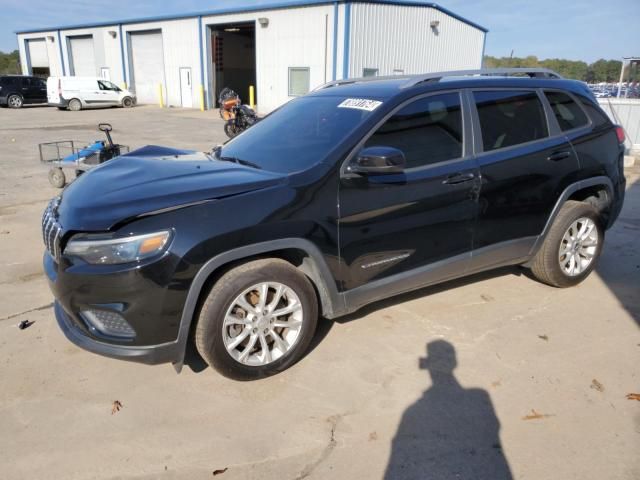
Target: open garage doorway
[(233, 59)]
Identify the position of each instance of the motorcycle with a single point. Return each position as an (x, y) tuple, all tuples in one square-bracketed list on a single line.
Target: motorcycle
[(237, 117)]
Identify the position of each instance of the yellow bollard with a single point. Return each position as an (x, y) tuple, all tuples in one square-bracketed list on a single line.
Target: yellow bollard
[(252, 98), (160, 95), (202, 98)]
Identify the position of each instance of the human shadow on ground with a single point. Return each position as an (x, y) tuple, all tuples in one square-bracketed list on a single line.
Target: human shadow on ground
[(451, 432)]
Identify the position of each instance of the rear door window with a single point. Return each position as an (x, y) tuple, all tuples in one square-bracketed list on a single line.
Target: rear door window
[(427, 131), (509, 118), (567, 112)]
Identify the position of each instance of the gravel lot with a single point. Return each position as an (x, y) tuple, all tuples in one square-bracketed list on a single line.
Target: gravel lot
[(539, 391)]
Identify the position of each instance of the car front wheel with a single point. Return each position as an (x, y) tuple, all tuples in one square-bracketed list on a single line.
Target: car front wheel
[(258, 320)]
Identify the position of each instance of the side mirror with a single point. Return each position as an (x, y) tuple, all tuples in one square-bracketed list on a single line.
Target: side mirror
[(378, 161)]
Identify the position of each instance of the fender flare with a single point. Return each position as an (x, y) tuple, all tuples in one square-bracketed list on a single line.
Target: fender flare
[(567, 192), (314, 266)]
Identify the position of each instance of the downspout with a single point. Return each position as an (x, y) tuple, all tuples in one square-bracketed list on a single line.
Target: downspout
[(201, 90), (124, 70), (347, 33), (64, 70)]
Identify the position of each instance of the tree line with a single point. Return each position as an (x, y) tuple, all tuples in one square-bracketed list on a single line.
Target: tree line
[(9, 62), (599, 71)]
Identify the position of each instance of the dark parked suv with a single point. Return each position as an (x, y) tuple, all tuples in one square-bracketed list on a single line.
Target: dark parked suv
[(19, 90), (360, 190)]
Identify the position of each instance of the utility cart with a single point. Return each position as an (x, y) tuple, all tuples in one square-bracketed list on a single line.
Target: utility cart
[(78, 156)]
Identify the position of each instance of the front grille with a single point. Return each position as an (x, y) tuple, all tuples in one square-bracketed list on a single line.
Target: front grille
[(51, 229)]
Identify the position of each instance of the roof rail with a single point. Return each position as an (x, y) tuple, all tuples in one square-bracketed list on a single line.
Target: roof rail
[(413, 80)]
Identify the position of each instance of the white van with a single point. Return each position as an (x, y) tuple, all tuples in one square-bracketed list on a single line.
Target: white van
[(76, 93)]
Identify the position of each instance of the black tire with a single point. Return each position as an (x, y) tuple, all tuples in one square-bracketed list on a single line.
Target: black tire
[(75, 105), (546, 265), (57, 177), (127, 102), (209, 328), (230, 129), (15, 101)]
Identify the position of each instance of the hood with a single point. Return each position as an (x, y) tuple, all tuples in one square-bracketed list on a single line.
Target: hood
[(152, 179)]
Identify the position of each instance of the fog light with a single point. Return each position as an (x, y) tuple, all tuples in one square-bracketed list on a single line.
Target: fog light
[(111, 324)]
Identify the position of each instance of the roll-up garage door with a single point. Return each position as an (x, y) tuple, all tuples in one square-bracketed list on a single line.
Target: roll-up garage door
[(83, 61), (38, 56), (148, 64)]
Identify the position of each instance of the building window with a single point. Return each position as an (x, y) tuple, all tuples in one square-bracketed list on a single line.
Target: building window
[(298, 81), (369, 72)]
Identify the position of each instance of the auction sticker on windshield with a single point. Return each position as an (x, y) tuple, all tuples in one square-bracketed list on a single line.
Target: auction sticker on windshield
[(360, 104)]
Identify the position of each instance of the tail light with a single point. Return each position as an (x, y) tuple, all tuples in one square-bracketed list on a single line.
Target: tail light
[(620, 134)]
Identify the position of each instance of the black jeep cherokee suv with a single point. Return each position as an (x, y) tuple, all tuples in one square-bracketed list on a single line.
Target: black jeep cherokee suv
[(360, 190)]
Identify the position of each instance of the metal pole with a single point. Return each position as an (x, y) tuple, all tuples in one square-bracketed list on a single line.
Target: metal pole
[(621, 77)]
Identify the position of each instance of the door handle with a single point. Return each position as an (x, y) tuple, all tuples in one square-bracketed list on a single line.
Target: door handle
[(557, 156), (458, 178)]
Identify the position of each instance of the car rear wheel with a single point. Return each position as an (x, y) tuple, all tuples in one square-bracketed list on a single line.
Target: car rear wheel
[(15, 101), (258, 320), (572, 247), (57, 177), (127, 102), (75, 105)]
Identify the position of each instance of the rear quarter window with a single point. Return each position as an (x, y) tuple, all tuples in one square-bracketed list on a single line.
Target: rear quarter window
[(567, 112), (598, 117)]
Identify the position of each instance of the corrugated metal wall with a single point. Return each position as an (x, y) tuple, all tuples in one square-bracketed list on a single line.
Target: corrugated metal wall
[(295, 37), (180, 49), (390, 37), (625, 112)]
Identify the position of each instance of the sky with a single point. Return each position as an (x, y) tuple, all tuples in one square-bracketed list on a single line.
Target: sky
[(577, 30)]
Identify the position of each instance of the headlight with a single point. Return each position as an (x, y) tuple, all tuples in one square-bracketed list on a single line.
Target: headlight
[(97, 250)]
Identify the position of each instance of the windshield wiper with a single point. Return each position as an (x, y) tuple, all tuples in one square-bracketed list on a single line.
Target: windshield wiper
[(239, 161)]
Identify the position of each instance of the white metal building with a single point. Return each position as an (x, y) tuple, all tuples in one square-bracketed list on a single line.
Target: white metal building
[(283, 50)]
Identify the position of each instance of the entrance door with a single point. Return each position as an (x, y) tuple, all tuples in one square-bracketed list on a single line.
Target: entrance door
[(186, 89), (415, 226)]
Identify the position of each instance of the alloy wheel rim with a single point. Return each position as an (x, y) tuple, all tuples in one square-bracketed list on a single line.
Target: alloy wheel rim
[(14, 101), (578, 247), (262, 324)]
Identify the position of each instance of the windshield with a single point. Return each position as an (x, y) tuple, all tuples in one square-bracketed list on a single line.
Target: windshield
[(298, 135)]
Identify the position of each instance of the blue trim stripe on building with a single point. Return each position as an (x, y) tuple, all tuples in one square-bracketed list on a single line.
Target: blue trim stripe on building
[(201, 60), (27, 55), (335, 40), (124, 69), (64, 70), (257, 8), (347, 35)]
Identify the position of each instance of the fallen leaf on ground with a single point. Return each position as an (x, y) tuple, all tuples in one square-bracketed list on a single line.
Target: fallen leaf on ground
[(536, 415), (543, 337), (596, 385), (486, 298), (633, 396), (220, 471), (373, 436), (116, 406), (497, 383)]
